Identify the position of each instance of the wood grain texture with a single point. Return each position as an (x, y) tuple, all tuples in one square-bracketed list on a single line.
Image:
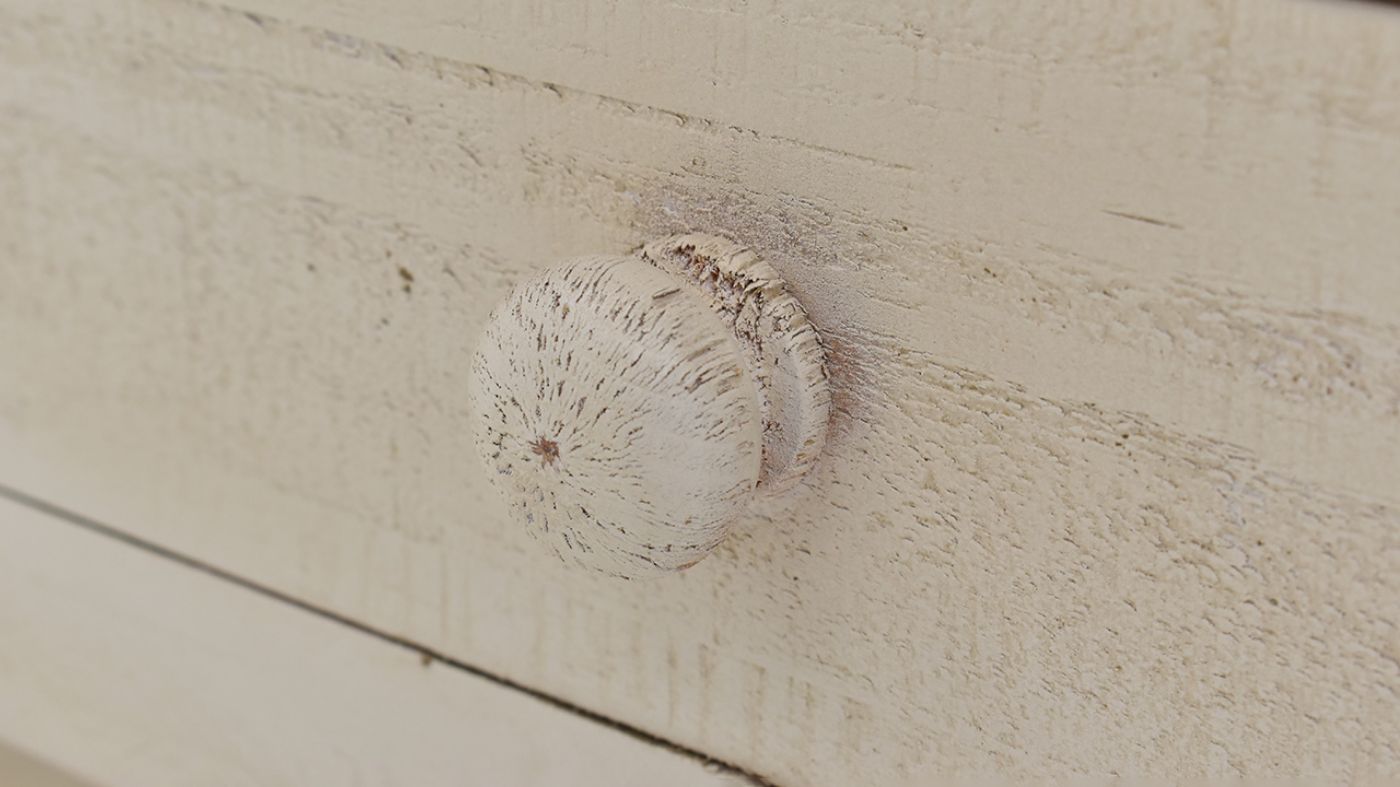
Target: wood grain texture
[(455, 149), (1066, 127), (1109, 298), (132, 670)]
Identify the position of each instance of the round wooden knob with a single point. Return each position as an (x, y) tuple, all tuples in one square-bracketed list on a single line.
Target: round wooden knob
[(631, 408)]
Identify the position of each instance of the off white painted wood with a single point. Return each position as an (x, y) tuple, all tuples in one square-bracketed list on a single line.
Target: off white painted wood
[(130, 669), (23, 770), (1110, 300), (1269, 326)]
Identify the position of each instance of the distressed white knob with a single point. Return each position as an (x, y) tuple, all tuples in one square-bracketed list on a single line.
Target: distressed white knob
[(631, 408)]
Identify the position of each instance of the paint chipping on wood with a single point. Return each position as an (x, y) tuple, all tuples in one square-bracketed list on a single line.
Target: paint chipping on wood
[(782, 347)]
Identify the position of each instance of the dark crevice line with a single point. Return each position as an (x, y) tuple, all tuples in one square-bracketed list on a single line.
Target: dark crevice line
[(91, 525), (398, 52), (1144, 219)]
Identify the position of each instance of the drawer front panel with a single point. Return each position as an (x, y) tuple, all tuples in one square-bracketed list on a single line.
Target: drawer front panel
[(1110, 480)]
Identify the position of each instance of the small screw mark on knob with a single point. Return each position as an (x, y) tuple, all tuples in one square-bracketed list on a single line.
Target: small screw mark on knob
[(547, 450)]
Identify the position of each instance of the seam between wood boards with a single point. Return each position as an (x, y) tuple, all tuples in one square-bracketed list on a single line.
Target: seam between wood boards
[(104, 530)]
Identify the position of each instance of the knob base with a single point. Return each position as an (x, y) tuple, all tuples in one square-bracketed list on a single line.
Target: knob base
[(783, 349)]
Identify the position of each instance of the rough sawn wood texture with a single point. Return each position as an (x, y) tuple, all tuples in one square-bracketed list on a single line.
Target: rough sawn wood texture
[(1109, 295)]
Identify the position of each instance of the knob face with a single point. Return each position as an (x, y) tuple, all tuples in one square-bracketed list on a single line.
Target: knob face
[(618, 415)]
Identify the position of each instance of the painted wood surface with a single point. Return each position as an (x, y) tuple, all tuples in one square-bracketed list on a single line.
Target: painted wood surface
[(131, 669), (1109, 297), (23, 770)]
